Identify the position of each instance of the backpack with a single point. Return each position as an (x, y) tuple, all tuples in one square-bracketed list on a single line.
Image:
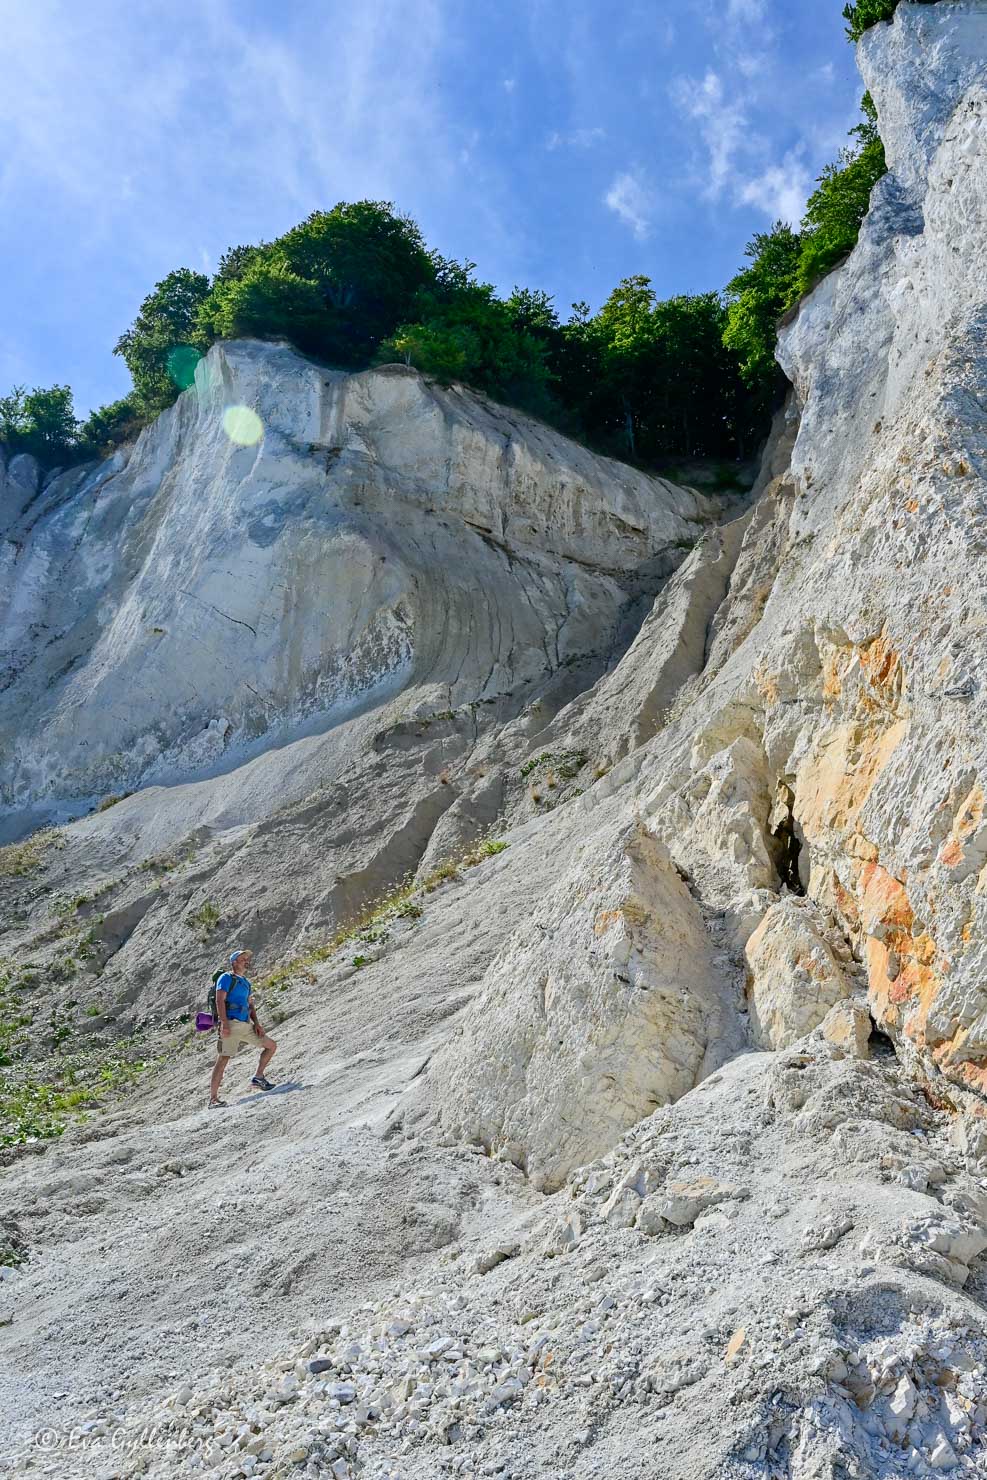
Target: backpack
[(210, 1018)]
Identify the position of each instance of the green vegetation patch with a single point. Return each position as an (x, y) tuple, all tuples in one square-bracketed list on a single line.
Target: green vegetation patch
[(563, 766), (206, 917), (786, 264), (372, 925), (19, 860), (32, 1109), (37, 1105)]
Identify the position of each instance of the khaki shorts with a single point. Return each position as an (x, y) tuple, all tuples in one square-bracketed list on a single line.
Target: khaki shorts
[(229, 1045)]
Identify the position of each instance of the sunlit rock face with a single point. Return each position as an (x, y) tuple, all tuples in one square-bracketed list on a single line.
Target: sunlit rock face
[(888, 475), (831, 740), (290, 544)]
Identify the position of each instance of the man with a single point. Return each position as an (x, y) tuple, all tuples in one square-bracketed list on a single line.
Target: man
[(238, 1025)]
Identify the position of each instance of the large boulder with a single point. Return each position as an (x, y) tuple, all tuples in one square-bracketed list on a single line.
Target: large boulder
[(794, 976), (607, 1001)]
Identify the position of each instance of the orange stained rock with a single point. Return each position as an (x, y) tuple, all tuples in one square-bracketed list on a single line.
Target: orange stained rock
[(884, 904), (830, 792), (972, 1075), (846, 903), (605, 919), (881, 664), (923, 985), (883, 899), (966, 821), (835, 664), (767, 686)]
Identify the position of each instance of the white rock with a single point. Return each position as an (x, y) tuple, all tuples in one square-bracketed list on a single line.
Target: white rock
[(681, 1203), (343, 1392), (794, 977)]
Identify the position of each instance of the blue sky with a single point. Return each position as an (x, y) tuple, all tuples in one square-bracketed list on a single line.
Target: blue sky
[(560, 144)]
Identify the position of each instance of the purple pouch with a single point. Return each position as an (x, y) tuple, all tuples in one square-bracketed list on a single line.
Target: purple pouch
[(204, 1021)]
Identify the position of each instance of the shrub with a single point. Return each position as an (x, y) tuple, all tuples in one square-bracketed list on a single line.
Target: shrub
[(863, 14), (837, 207), (206, 917), (28, 857)]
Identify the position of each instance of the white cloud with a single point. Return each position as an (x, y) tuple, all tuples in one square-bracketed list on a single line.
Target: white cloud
[(631, 198), (745, 11), (577, 138), (509, 84), (737, 166), (229, 117), (780, 190), (750, 64), (723, 126)]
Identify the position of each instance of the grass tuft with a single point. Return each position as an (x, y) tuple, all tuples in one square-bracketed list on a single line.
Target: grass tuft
[(370, 926), (18, 860)]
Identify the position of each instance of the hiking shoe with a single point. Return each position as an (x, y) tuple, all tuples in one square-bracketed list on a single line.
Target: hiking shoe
[(262, 1081), (217, 1105)]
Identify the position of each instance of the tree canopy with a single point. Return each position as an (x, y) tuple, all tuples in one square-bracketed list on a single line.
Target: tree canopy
[(166, 322), (43, 423), (643, 378), (785, 264), (863, 14)]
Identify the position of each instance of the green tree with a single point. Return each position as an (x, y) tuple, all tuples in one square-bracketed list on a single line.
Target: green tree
[(577, 364), (462, 330), (652, 378), (235, 261), (13, 419), (756, 298), (110, 425), (628, 341), (838, 205), (429, 348), (267, 300), (366, 263), (866, 13), (41, 422), (167, 321)]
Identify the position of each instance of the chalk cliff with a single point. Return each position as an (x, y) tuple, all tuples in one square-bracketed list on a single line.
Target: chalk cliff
[(642, 1127)]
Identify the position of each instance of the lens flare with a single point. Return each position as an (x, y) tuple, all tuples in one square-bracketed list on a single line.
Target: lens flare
[(242, 426), (181, 363)]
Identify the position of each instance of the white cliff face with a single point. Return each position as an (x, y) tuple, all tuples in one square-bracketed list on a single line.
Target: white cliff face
[(764, 826), (831, 737), (167, 608)]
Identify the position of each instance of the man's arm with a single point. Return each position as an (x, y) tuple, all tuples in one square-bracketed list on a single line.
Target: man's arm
[(253, 1016), (224, 1022)]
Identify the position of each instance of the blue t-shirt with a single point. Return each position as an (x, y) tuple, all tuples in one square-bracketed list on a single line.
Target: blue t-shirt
[(237, 996)]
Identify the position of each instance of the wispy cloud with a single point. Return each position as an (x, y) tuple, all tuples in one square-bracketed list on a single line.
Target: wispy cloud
[(780, 190), (632, 199), (576, 138), (746, 11), (222, 110), (723, 125), (738, 165)]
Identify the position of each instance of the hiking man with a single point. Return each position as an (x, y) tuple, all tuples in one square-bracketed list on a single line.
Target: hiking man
[(238, 1025)]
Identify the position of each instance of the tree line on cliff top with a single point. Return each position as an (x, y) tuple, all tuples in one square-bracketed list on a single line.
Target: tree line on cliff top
[(644, 379)]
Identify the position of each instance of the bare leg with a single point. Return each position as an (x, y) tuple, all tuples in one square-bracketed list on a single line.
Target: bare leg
[(218, 1070), (267, 1055)]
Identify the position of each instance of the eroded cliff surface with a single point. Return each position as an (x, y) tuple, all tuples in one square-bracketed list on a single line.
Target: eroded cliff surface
[(543, 1208)]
